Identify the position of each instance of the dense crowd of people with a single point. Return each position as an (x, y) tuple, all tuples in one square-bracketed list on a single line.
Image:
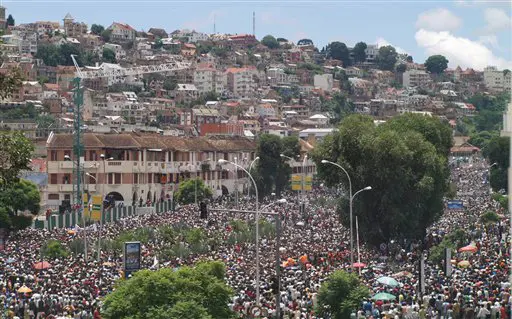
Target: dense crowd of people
[(312, 247)]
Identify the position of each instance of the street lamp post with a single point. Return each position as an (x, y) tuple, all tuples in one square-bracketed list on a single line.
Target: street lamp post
[(236, 182), (223, 161), (278, 256), (195, 183), (102, 156), (68, 158), (250, 170), (303, 205), (351, 197)]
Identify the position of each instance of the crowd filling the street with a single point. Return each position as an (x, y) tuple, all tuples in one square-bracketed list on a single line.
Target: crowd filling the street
[(312, 246)]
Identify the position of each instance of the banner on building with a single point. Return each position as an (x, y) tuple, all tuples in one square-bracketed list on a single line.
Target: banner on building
[(131, 257), (455, 204), (96, 208), (297, 183)]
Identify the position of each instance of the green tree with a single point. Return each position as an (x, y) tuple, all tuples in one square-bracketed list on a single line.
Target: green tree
[(338, 51), (44, 121), (409, 59), (401, 68), (436, 64), (54, 249), (270, 42), (21, 196), (10, 21), (489, 217), (360, 52), (187, 190), (407, 173), (109, 55), (305, 42), (433, 130), (290, 146), (97, 29), (105, 35), (170, 83), (65, 52), (497, 151), (387, 58), (186, 293), (269, 165), (15, 153), (340, 295), (338, 107)]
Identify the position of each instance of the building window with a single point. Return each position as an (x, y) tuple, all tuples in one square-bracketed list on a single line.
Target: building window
[(53, 196), (135, 178), (66, 179), (53, 179), (93, 156), (53, 155), (117, 178), (150, 178), (110, 178), (67, 197)]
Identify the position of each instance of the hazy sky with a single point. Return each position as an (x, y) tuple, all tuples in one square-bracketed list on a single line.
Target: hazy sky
[(470, 33)]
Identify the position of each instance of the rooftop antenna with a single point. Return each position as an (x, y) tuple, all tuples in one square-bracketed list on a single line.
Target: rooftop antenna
[(214, 27), (254, 23)]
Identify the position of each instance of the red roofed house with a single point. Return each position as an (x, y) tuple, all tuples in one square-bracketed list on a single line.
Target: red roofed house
[(242, 40), (122, 32), (188, 50)]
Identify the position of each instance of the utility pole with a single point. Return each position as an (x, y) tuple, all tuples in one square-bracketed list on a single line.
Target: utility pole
[(78, 99)]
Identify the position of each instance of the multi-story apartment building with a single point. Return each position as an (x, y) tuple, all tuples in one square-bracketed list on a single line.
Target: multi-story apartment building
[(122, 32), (208, 79), (144, 166), (73, 29), (416, 78), (242, 82), (497, 80)]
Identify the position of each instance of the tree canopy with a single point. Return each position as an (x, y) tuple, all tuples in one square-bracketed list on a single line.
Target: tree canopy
[(272, 171), (387, 58), (338, 106), (109, 55), (198, 292), (305, 42), (360, 52), (405, 163), (338, 51), (436, 64), (270, 42), (10, 20), (15, 153), (401, 68), (340, 295), (186, 193), (97, 29)]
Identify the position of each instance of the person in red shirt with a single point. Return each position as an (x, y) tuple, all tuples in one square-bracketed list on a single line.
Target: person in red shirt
[(97, 314)]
